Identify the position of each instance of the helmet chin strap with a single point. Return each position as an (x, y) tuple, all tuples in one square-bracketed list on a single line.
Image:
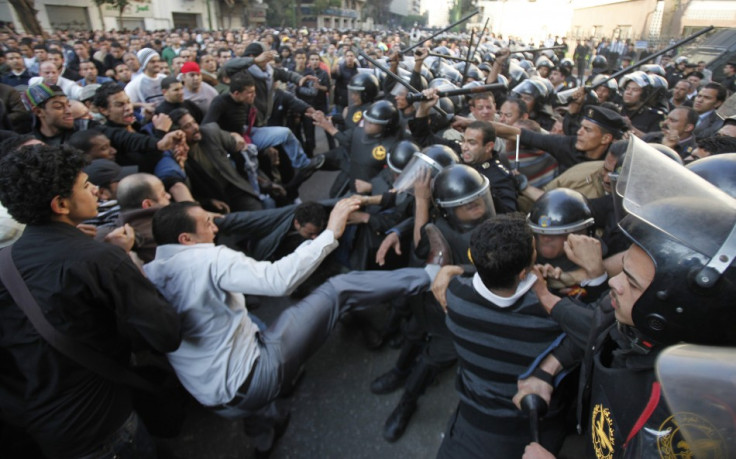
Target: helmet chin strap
[(638, 342)]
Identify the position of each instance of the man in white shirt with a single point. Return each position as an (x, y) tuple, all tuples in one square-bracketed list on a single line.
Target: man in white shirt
[(145, 88)]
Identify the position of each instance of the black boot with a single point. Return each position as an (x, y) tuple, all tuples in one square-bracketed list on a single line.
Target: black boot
[(395, 378), (421, 376)]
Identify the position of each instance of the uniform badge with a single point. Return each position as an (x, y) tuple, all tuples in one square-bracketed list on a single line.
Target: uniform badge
[(357, 116), (470, 257), (544, 221), (379, 153), (602, 433), (671, 444)]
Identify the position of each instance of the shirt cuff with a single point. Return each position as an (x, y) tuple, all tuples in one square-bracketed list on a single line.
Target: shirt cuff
[(594, 282)]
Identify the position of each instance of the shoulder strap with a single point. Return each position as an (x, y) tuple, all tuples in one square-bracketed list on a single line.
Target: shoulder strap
[(84, 356)]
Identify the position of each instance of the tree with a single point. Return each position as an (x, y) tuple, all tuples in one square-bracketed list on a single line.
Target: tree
[(118, 5), (26, 11)]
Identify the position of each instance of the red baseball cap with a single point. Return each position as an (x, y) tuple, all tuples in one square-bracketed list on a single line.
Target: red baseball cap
[(190, 67)]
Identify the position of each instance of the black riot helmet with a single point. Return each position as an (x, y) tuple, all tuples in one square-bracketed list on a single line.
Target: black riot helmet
[(430, 160), (599, 64), (401, 154), (516, 74), (464, 195), (383, 113), (560, 211), (720, 170), (438, 121), (687, 227), (567, 65), (366, 84)]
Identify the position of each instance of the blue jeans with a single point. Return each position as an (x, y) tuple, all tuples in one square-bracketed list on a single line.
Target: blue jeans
[(130, 441), (272, 136)]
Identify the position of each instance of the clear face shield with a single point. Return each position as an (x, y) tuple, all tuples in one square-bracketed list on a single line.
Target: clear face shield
[(419, 165), (650, 184), (466, 213)]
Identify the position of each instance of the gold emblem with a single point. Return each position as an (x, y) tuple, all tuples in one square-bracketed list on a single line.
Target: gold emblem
[(706, 437), (602, 432), (357, 116), (379, 153), (470, 257)]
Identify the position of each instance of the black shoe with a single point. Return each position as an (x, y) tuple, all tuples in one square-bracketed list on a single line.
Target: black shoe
[(278, 431), (389, 382), (372, 338), (399, 419), (314, 164)]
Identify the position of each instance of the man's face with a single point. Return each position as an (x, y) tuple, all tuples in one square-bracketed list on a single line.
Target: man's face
[(154, 66), (473, 149), (632, 94), (101, 148), (349, 58), (729, 70), (556, 77), (694, 80), (300, 60), (56, 114), (400, 98), (681, 90), (56, 59), (308, 230), (175, 93), (190, 128), (706, 100), (26, 50), (176, 64), (116, 52), (88, 71), (186, 55), (471, 212), (82, 202), (589, 136), (627, 287), (483, 109), (49, 72), (314, 61), (246, 96), (371, 128), (193, 81), (159, 198), (122, 73), (209, 64), (677, 120), (550, 246), (603, 93), (529, 101), (223, 57), (206, 228), (509, 113), (131, 60), (543, 72), (119, 109), (41, 54), (15, 61)]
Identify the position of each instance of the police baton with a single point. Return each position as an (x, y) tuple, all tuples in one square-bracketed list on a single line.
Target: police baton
[(452, 58), (535, 407), (388, 72), (458, 22), (653, 56), (418, 96)]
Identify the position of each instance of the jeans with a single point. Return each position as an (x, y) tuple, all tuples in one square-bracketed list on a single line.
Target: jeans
[(130, 441), (271, 136)]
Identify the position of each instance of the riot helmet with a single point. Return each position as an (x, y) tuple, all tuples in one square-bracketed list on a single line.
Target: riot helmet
[(599, 64), (432, 159), (534, 87), (365, 84), (687, 227), (401, 154), (653, 68), (516, 74), (560, 211), (720, 170), (385, 114), (438, 121), (567, 65), (464, 195)]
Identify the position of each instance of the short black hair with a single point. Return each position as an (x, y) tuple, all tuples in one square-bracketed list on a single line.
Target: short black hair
[(82, 140), (104, 92), (15, 141), (520, 104), (500, 248), (720, 89), (489, 132), (718, 144), (168, 81), (240, 81), (31, 176), (177, 114), (690, 113), (170, 221), (311, 212), (300, 51)]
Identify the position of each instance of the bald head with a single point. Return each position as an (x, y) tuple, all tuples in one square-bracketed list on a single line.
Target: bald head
[(142, 191)]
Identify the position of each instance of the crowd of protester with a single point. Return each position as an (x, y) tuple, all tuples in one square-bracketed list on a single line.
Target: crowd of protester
[(150, 182)]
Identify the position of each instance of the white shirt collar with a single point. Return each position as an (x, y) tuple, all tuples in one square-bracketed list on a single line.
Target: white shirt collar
[(500, 301)]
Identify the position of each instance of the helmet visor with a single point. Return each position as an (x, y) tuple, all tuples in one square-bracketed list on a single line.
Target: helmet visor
[(417, 167), (676, 201)]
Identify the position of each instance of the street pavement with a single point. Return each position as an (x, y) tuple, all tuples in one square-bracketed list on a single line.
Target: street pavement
[(334, 414)]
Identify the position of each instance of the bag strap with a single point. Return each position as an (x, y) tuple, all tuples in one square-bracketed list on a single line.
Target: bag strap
[(83, 355)]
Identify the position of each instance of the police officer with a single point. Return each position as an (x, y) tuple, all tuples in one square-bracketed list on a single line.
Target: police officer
[(362, 92), (535, 93), (640, 94), (677, 284)]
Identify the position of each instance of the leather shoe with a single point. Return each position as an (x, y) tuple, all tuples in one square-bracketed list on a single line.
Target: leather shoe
[(389, 381), (399, 419), (439, 250), (315, 163)]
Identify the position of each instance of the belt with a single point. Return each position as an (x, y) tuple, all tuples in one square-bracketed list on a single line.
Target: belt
[(239, 394)]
